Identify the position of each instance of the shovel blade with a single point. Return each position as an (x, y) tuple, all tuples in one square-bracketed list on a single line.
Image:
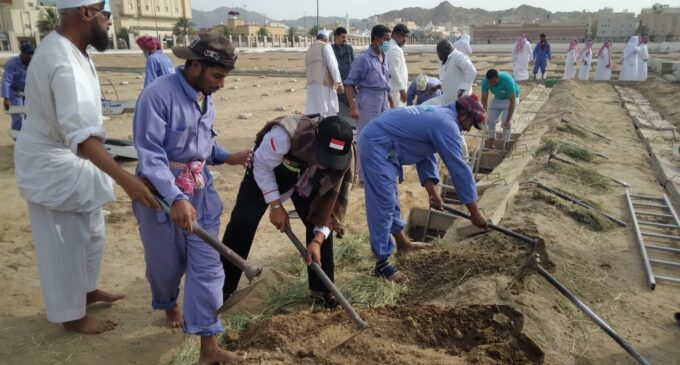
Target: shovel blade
[(239, 295)]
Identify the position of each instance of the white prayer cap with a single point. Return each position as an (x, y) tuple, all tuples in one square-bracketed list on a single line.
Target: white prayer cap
[(322, 32), (421, 82), (68, 4)]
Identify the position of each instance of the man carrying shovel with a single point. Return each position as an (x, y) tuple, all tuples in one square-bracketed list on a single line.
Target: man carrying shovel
[(307, 160), (411, 136), (175, 140)]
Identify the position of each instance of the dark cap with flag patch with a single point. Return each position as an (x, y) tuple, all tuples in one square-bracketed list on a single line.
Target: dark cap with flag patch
[(334, 143)]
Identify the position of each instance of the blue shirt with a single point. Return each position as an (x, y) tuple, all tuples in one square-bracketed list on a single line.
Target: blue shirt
[(157, 65), (425, 94), (368, 73), (505, 87), (421, 131), (169, 125), (14, 78), (542, 54)]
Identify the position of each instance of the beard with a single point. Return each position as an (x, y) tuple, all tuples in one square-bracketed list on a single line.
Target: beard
[(100, 37)]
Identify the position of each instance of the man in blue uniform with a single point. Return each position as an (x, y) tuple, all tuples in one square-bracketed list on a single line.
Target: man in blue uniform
[(13, 82)]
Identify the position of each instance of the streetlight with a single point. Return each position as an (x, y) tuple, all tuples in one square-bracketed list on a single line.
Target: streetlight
[(317, 15), (245, 13)]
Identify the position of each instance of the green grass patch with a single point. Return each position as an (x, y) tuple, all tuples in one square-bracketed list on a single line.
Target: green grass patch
[(580, 176), (569, 149), (580, 197), (590, 219), (370, 291), (569, 128)]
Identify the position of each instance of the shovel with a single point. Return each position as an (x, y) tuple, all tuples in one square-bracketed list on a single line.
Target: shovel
[(253, 273)]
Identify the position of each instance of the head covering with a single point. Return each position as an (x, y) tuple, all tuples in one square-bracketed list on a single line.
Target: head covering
[(421, 82), (158, 43), (334, 143), (606, 45), (644, 39), (631, 46), (323, 33), (521, 41), (573, 45), (68, 4), (543, 43), (588, 48), (27, 48), (471, 104), (209, 46), (463, 45), (146, 43)]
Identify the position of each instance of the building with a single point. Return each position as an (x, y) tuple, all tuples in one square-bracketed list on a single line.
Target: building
[(616, 27), (150, 17), (238, 27), (661, 22), (508, 33), (18, 23)]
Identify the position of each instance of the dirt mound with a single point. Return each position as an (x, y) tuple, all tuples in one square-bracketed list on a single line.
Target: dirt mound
[(403, 335)]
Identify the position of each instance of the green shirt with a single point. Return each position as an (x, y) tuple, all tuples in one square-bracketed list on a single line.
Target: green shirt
[(505, 86)]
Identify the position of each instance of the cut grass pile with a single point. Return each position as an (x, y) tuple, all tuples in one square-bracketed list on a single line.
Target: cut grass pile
[(571, 129), (576, 152), (580, 176), (590, 219)]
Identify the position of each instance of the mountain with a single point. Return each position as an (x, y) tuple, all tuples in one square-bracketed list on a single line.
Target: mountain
[(206, 19)]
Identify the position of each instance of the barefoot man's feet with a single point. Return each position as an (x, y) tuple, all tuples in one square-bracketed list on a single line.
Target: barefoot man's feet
[(405, 245), (398, 278), (90, 325), (100, 296), (174, 317), (211, 353)]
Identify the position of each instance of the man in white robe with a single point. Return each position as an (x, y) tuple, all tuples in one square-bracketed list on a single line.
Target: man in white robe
[(323, 78), (571, 60), (63, 169), (629, 67), (643, 56), (521, 55), (603, 70), (586, 60), (456, 72), (396, 64)]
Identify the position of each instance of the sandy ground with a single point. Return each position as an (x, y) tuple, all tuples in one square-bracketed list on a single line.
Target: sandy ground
[(605, 268)]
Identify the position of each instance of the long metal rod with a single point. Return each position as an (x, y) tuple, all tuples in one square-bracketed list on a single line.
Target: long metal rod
[(658, 235), (654, 214), (645, 197), (585, 309), (654, 224), (641, 244), (578, 202), (646, 205), (670, 209), (668, 278), (661, 248), (664, 262), (360, 323), (505, 231)]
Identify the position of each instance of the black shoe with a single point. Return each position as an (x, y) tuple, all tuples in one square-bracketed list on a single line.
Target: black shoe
[(326, 300)]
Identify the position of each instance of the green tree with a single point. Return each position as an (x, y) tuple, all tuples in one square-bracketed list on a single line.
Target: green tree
[(642, 29), (262, 32), (124, 34), (292, 33), (49, 22), (227, 32), (313, 30), (183, 28)]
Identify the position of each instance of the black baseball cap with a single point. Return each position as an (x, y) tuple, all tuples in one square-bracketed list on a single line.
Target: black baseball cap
[(334, 143), (209, 46)]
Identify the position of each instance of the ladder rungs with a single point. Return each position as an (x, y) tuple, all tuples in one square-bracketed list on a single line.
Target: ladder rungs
[(659, 248), (654, 214), (650, 205), (654, 224), (663, 262), (658, 235), (667, 278), (646, 197)]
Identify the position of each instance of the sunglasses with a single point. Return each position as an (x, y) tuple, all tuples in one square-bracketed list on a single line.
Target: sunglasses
[(106, 14)]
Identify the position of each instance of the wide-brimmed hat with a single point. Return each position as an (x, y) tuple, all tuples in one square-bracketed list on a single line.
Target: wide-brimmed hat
[(334, 143), (209, 46)]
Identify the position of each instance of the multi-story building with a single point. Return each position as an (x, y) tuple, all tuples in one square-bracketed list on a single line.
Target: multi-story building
[(150, 17), (616, 27), (239, 27), (508, 33), (661, 22), (18, 23)]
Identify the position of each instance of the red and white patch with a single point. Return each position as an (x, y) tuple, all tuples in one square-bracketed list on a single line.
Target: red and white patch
[(337, 144)]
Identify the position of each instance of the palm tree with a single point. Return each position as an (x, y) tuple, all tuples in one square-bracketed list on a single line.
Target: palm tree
[(183, 28), (262, 32), (49, 23)]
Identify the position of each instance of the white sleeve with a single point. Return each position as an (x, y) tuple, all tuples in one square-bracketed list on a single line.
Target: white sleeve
[(531, 53), (394, 60), (275, 144), (323, 229), (468, 69), (332, 64)]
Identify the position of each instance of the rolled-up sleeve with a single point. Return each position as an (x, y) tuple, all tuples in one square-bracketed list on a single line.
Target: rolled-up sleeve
[(149, 129), (268, 155)]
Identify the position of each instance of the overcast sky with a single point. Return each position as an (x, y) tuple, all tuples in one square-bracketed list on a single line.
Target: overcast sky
[(293, 9)]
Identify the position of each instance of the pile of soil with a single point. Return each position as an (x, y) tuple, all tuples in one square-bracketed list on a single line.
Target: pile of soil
[(478, 334)]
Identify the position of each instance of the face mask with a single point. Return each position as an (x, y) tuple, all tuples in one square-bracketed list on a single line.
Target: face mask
[(384, 47)]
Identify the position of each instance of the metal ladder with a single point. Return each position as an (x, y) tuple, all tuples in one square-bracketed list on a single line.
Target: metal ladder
[(660, 209)]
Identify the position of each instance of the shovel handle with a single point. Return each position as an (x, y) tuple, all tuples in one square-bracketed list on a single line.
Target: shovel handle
[(360, 323)]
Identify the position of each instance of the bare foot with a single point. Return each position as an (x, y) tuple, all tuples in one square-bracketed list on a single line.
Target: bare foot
[(174, 317), (413, 246), (97, 296), (398, 278), (211, 353), (90, 325), (490, 144)]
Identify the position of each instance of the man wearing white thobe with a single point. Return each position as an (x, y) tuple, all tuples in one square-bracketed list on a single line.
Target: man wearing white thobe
[(396, 64), (629, 66), (643, 56), (521, 55), (63, 169), (323, 78), (456, 72)]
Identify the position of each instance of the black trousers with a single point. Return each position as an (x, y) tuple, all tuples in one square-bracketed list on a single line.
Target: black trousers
[(245, 218)]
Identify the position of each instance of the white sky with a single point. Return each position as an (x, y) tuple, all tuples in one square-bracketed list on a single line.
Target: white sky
[(284, 10)]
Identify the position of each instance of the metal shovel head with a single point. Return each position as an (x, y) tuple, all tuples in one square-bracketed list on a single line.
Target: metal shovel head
[(240, 294)]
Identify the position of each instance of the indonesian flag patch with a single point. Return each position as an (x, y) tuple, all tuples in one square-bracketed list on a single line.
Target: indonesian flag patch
[(337, 144)]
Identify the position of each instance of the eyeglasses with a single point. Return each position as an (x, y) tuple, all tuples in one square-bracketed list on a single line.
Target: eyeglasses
[(106, 14)]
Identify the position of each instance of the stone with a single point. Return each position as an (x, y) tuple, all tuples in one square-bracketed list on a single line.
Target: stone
[(293, 80), (139, 77), (237, 79), (290, 90), (245, 116), (670, 77), (257, 85), (264, 94), (233, 88), (124, 82), (280, 108)]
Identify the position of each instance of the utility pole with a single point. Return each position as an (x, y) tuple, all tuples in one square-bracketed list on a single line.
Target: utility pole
[(245, 13), (317, 15), (155, 17)]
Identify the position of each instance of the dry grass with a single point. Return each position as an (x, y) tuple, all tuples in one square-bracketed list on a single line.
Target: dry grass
[(580, 176), (576, 152), (569, 128), (590, 219)]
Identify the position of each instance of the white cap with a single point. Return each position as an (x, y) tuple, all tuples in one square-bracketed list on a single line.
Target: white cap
[(421, 82), (322, 32), (68, 4)]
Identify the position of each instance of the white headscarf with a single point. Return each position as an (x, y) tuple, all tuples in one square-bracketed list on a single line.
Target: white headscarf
[(421, 82), (68, 4), (631, 46), (463, 45)]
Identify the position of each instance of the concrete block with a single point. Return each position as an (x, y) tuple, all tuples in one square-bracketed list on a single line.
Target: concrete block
[(245, 116)]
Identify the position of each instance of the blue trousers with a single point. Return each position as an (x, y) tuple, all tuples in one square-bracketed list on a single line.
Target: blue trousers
[(540, 63), (17, 119), (381, 172), (369, 104), (171, 253)]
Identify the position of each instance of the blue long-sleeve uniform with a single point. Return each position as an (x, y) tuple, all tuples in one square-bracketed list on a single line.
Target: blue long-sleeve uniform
[(541, 56), (157, 65), (408, 136), (13, 82), (424, 95)]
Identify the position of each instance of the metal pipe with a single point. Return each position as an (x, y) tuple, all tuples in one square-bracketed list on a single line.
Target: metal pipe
[(668, 278), (578, 202), (646, 197), (655, 214), (654, 224), (658, 235), (664, 262), (646, 205), (641, 244), (665, 249), (360, 323), (670, 209)]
